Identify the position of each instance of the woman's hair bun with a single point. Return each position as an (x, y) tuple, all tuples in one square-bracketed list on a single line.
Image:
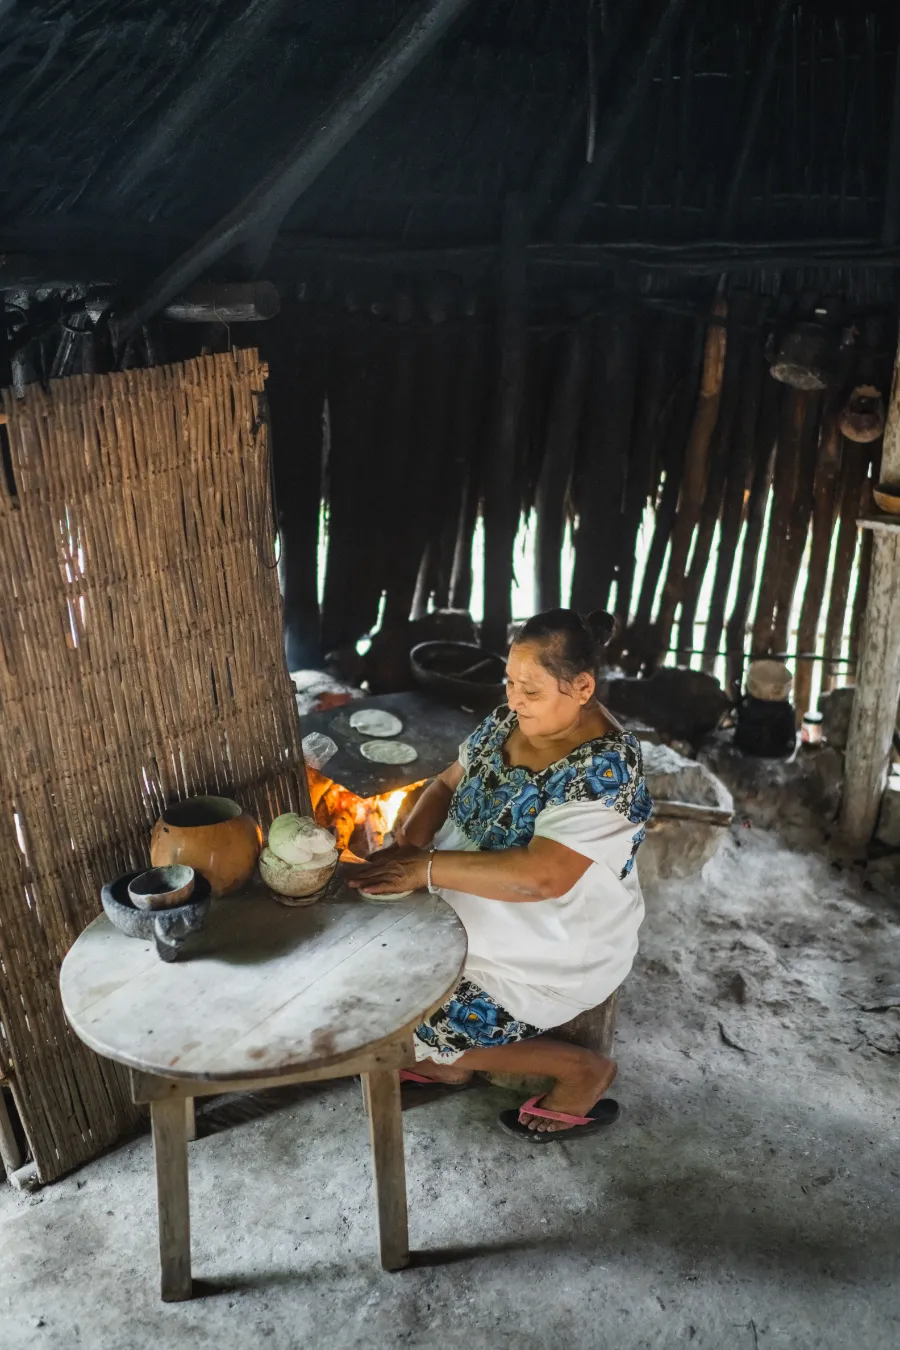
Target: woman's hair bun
[(569, 643), (601, 626)]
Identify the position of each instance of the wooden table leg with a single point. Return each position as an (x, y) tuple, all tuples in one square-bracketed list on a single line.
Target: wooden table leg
[(169, 1122), (386, 1137), (190, 1119)]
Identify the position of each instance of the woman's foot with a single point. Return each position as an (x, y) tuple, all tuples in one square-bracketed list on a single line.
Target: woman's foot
[(576, 1093), (442, 1073)]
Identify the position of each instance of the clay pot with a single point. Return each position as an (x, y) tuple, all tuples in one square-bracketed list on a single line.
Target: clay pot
[(863, 418), (769, 681), (887, 499), (211, 834)]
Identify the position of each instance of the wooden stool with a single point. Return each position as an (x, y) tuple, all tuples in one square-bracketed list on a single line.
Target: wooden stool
[(594, 1029)]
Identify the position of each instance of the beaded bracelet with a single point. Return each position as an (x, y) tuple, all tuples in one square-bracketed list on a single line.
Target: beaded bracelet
[(432, 890)]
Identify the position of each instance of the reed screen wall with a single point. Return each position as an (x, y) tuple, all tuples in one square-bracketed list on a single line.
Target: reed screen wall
[(140, 661)]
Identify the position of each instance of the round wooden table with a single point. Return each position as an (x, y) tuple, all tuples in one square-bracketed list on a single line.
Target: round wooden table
[(265, 996)]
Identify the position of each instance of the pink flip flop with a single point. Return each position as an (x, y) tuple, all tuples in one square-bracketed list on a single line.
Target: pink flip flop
[(603, 1113)]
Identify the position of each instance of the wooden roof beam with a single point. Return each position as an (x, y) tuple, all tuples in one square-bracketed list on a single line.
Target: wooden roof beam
[(232, 48), (261, 212), (890, 224), (615, 125), (756, 105)]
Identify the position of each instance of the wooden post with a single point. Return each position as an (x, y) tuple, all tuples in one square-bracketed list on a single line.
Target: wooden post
[(874, 713)]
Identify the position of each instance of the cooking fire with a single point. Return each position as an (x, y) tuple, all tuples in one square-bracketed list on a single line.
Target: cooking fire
[(360, 824)]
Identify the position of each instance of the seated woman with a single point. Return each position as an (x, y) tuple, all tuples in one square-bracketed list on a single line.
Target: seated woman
[(532, 837)]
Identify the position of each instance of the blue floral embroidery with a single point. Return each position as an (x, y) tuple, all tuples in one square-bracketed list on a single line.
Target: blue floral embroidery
[(470, 1017), (480, 1011), (496, 806), (636, 842), (607, 773), (524, 810), (558, 784), (641, 805)]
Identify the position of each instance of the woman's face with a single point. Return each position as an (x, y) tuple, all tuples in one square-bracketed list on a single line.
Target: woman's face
[(543, 706)]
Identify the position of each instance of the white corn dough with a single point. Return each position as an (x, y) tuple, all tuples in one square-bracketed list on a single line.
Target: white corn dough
[(375, 722), (388, 752)]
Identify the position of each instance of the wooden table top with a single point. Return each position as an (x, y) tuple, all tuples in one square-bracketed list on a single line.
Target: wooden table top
[(266, 989)]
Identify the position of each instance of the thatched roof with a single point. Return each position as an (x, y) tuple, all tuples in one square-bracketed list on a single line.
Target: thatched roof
[(133, 125)]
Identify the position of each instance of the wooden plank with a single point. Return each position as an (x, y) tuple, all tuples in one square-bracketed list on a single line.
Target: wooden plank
[(798, 525), (170, 1153), (854, 468), (607, 440), (737, 489), (398, 438), (693, 482), (735, 633), (224, 302), (556, 469), (706, 815), (787, 469), (858, 608), (717, 470), (501, 506), (639, 645), (471, 434), (295, 391), (351, 593), (824, 495), (652, 402), (386, 1139)]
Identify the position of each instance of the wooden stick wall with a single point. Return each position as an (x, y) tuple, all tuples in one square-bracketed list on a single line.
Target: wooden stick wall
[(435, 412)]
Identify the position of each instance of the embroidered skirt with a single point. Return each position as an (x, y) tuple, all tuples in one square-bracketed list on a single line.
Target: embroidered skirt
[(470, 1020)]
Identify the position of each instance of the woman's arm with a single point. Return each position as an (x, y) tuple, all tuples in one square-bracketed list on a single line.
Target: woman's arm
[(430, 811), (542, 871)]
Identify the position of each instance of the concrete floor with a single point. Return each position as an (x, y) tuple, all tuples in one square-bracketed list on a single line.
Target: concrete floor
[(748, 1197)]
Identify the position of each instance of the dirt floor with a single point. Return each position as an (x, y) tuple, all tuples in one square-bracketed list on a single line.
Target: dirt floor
[(748, 1196)]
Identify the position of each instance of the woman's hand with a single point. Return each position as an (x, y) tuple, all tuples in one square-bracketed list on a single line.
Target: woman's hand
[(391, 870)]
